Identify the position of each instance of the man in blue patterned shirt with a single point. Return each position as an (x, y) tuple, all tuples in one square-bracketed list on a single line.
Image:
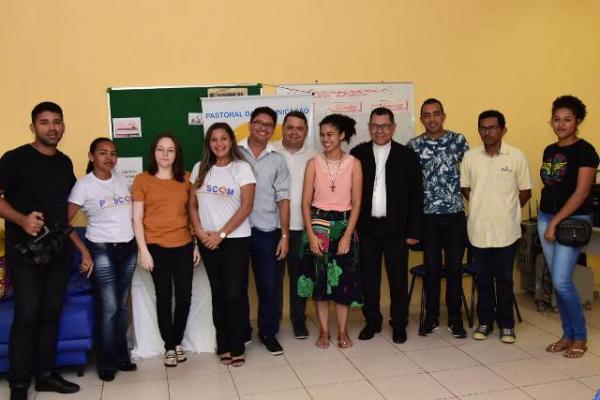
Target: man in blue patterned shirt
[(444, 224)]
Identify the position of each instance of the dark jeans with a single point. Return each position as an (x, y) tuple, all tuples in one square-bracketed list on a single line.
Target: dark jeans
[(373, 247), (38, 294), (268, 278), (494, 278), (297, 303), (114, 264), (227, 269), (173, 266), (447, 233)]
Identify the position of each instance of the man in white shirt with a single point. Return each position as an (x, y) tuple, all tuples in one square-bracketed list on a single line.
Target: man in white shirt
[(297, 152), (495, 180)]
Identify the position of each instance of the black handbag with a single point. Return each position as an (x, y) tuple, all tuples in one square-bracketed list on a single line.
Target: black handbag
[(573, 232)]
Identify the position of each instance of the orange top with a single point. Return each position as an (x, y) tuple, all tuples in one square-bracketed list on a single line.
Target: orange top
[(166, 221), (333, 183)]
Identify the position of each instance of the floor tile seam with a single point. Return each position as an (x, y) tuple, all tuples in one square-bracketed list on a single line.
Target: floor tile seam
[(427, 348), (535, 358), (551, 382), (520, 358), (529, 355), (441, 384), (485, 366), (593, 388), (113, 383), (314, 361), (450, 369), (358, 379), (367, 379), (466, 397), (168, 386), (297, 376), (360, 372), (374, 355), (269, 391), (195, 373), (499, 376), (235, 386)]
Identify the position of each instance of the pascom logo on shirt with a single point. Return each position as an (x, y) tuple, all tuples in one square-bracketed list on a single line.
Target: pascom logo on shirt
[(114, 201), (222, 190)]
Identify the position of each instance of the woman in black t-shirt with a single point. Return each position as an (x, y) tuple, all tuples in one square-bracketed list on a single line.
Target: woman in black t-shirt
[(568, 172)]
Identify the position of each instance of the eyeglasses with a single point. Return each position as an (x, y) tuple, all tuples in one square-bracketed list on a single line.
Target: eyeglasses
[(379, 127), (489, 129), (265, 125)]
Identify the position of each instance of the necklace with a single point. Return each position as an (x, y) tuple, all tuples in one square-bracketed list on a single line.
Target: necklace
[(337, 164)]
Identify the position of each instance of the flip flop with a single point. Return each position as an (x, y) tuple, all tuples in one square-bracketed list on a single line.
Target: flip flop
[(558, 347), (575, 352), (225, 360), (237, 362), (323, 340), (344, 341)]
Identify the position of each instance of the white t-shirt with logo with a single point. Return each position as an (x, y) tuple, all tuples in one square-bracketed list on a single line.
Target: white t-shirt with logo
[(107, 205), (219, 197)]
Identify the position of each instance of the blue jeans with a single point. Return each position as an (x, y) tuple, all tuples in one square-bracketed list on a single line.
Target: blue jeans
[(114, 264), (561, 262), (268, 275)]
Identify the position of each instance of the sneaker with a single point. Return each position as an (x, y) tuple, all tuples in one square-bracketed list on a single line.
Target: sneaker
[(457, 330), (429, 326), (272, 345), (180, 354), (507, 335), (300, 331), (482, 332), (170, 359)]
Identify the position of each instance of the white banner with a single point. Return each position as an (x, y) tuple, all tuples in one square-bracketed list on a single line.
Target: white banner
[(236, 111), (357, 100)]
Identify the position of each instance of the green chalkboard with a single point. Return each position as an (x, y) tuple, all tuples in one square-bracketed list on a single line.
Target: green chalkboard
[(164, 109)]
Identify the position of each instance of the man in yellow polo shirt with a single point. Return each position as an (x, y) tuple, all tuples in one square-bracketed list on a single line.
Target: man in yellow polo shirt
[(495, 180)]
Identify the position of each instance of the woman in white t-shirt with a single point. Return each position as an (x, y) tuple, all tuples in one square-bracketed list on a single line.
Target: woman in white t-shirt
[(106, 201), (220, 203)]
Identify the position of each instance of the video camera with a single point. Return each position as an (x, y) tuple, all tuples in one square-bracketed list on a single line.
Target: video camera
[(41, 249)]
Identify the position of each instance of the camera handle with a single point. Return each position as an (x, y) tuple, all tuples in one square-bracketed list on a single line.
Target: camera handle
[(45, 233)]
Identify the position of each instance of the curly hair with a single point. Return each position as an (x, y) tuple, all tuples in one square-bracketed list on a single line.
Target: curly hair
[(571, 103), (342, 123)]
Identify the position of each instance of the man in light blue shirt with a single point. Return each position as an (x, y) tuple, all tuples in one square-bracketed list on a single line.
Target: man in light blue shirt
[(270, 221)]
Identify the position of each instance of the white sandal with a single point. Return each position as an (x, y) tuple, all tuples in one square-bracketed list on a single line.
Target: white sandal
[(181, 357), (170, 359)]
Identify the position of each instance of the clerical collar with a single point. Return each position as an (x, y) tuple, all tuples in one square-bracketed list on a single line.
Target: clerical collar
[(382, 147)]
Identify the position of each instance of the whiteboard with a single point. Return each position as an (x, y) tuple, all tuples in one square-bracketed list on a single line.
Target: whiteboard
[(357, 100)]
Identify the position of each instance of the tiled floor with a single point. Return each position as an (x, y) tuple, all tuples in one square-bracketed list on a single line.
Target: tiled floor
[(424, 368)]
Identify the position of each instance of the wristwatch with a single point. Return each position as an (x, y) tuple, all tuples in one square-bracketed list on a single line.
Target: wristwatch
[(284, 235), (222, 235)]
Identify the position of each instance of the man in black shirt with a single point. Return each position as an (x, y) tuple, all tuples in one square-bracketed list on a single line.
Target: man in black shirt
[(35, 181)]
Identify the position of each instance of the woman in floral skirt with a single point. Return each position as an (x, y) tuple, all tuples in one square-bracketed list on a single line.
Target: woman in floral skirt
[(330, 206)]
